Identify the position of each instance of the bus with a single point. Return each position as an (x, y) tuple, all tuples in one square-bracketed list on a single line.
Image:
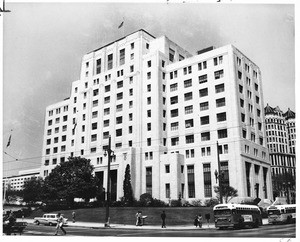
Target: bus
[(237, 216), (281, 213)]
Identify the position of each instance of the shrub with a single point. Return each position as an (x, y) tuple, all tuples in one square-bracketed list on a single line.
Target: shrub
[(158, 203), (175, 203), (211, 202), (196, 203)]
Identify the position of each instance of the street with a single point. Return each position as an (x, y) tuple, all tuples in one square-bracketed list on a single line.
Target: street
[(266, 231)]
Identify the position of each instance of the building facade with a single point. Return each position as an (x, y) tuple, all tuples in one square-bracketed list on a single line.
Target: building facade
[(16, 183), (281, 141), (165, 110)]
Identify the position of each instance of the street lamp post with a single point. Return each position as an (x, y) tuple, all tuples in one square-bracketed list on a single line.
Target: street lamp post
[(109, 153), (218, 174)]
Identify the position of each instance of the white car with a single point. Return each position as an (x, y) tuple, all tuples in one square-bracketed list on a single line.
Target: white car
[(48, 219)]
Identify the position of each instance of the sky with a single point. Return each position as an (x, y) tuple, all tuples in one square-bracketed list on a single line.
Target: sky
[(43, 44)]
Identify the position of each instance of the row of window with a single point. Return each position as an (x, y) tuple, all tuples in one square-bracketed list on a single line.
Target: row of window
[(58, 110)]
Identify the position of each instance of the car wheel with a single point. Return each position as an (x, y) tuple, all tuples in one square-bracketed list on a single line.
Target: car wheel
[(37, 222), (50, 224)]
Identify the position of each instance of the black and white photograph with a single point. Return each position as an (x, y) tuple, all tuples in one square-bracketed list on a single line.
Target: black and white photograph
[(165, 119)]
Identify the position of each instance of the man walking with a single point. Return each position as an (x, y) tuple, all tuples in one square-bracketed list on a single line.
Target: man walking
[(73, 216), (163, 217), (60, 224)]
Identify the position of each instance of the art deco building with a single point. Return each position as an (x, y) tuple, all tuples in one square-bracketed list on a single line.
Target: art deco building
[(165, 110), (281, 141)]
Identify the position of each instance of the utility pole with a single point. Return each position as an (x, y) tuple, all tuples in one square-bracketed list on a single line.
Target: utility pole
[(108, 152)]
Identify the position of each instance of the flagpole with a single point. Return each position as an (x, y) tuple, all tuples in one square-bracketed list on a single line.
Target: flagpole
[(123, 27)]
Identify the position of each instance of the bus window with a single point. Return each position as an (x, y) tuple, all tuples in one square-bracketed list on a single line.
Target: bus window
[(222, 212)]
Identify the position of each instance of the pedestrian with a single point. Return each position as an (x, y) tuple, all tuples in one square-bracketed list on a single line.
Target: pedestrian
[(60, 224), (163, 218), (11, 222), (138, 218), (73, 216), (196, 221), (200, 220), (207, 217)]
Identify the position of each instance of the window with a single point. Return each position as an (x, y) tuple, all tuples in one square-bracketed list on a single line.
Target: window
[(106, 111), (257, 99), (207, 180), (188, 96), (148, 100), (203, 92), (189, 139), (132, 68), (119, 84), (188, 109), (105, 135), (220, 88), (173, 87), (174, 113), (188, 83), (221, 117), (132, 46), (241, 103), (203, 106), (148, 75), (189, 123), (174, 126), (243, 117), (167, 168), (94, 126), (106, 123), (148, 141), (168, 190), (119, 107), (205, 136), (109, 61), (94, 137), (191, 181), (202, 79), (219, 74), (120, 96), (149, 126), (149, 63), (122, 56), (118, 132), (222, 133), (187, 70), (119, 120), (174, 141), (149, 113), (202, 65), (149, 180), (220, 102), (95, 92), (204, 120), (98, 66), (258, 112), (171, 54)]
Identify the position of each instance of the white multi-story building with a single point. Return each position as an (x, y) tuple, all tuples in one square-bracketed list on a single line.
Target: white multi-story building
[(281, 142), (165, 110), (16, 183)]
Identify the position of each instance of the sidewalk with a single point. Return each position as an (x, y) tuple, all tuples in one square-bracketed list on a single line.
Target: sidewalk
[(128, 226)]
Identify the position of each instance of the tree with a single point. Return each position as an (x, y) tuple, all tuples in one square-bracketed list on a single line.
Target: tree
[(71, 179), (127, 188), (33, 189), (227, 192)]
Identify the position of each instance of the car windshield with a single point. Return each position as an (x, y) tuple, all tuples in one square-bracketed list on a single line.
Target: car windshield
[(222, 212), (273, 212)]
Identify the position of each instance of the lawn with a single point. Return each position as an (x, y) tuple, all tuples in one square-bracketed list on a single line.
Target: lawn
[(126, 215)]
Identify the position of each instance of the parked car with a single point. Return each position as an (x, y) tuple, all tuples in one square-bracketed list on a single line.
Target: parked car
[(48, 219)]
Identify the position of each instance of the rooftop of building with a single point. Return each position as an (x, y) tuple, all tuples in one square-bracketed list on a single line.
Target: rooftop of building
[(287, 115), (142, 30)]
